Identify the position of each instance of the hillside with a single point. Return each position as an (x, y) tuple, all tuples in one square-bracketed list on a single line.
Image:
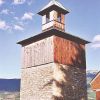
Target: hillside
[(9, 85)]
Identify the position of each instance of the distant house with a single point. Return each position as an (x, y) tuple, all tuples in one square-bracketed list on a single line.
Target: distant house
[(95, 85)]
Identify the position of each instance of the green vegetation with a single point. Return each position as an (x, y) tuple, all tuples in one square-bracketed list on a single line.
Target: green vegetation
[(91, 95), (9, 96)]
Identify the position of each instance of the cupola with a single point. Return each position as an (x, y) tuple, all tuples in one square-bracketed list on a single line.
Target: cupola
[(53, 16)]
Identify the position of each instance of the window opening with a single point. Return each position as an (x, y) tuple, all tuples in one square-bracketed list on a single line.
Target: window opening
[(47, 18), (59, 17)]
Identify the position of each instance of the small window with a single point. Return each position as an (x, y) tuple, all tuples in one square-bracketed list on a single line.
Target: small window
[(59, 17), (47, 18)]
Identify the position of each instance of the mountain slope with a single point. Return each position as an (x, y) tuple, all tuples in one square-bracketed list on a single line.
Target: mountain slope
[(9, 85)]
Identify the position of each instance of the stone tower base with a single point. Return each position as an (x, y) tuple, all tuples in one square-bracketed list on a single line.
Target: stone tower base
[(53, 82)]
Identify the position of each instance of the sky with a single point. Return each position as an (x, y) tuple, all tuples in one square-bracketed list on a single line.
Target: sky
[(19, 20)]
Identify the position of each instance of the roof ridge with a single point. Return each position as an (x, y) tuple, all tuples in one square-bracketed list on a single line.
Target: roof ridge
[(54, 2)]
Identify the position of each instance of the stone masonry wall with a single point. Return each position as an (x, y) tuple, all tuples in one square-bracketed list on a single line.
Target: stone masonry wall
[(69, 83), (36, 83), (53, 82)]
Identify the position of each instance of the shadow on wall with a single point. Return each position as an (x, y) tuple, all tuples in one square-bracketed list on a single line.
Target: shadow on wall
[(70, 84), (70, 78), (69, 53)]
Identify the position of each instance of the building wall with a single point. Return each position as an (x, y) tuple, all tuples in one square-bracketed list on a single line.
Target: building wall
[(36, 71), (36, 83), (97, 95), (95, 84), (54, 49), (69, 53), (53, 69), (69, 83), (53, 82), (38, 53)]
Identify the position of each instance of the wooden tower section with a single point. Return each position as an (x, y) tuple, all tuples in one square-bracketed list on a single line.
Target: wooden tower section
[(54, 63), (53, 16)]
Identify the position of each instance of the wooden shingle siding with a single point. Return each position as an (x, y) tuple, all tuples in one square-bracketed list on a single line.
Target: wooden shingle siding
[(59, 25), (69, 52), (62, 18), (38, 53)]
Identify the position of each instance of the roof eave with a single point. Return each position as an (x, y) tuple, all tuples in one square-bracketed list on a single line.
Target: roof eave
[(52, 32), (53, 7)]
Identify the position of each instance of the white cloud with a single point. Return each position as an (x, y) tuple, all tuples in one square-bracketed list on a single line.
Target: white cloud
[(18, 27), (4, 11), (16, 2), (16, 18), (96, 45), (96, 38), (1, 2), (96, 42), (27, 16), (3, 25)]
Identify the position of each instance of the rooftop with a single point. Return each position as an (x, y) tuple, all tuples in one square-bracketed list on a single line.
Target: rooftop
[(52, 32), (51, 5)]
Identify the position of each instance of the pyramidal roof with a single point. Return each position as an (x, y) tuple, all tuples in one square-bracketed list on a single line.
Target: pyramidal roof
[(54, 3)]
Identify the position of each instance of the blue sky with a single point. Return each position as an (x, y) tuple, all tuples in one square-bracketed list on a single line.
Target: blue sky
[(19, 20)]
